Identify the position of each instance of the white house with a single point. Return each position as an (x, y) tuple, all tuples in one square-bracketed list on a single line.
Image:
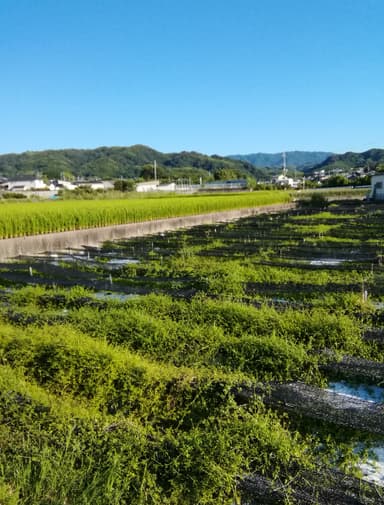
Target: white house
[(24, 185), (95, 185), (144, 187), (91, 184), (108, 185), (166, 187), (285, 182), (377, 187), (61, 184), (67, 185)]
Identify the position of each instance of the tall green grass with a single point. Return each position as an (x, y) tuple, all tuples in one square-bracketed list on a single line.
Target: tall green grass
[(20, 218)]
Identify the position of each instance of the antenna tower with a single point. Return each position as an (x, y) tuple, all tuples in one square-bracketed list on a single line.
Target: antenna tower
[(284, 164)]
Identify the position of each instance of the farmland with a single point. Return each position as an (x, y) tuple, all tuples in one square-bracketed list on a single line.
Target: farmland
[(151, 370), (18, 219)]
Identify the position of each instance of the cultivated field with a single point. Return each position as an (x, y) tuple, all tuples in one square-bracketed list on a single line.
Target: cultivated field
[(199, 366), (18, 219)]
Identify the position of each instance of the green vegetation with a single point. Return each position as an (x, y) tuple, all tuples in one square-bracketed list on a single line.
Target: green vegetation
[(84, 422), (19, 219), (300, 160), (369, 159), (128, 165), (121, 369), (116, 162)]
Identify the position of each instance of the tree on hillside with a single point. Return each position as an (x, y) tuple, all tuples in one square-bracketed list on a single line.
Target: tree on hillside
[(148, 172), (124, 185), (337, 180), (225, 174)]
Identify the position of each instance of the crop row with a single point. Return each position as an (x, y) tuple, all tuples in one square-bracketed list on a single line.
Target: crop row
[(19, 219), (263, 342)]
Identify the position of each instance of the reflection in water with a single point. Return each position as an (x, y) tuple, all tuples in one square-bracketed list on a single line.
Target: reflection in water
[(327, 262), (361, 391), (373, 468)]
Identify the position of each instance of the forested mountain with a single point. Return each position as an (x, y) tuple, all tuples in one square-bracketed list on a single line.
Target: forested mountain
[(300, 160), (138, 162), (127, 162), (368, 159)]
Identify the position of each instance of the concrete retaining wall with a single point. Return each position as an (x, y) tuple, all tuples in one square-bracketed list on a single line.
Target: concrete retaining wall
[(93, 237)]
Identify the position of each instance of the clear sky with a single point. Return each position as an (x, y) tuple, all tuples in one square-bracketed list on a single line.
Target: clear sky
[(214, 76)]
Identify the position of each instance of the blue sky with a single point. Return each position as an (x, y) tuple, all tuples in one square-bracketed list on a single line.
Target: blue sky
[(214, 76)]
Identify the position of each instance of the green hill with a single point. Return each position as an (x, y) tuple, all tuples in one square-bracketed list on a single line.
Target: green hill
[(368, 159), (300, 160), (127, 162), (137, 162)]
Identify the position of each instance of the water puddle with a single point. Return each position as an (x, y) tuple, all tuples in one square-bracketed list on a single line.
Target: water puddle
[(85, 256), (366, 392), (122, 261), (330, 262), (373, 468), (66, 257)]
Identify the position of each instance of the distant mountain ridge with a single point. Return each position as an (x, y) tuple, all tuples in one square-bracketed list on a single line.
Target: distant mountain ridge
[(368, 160), (300, 160), (137, 162), (117, 162)]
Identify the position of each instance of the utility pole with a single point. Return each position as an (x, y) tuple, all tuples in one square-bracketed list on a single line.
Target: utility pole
[(284, 164), (155, 170)]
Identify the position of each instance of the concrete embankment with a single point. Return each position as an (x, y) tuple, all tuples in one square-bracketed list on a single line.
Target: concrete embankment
[(93, 237)]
